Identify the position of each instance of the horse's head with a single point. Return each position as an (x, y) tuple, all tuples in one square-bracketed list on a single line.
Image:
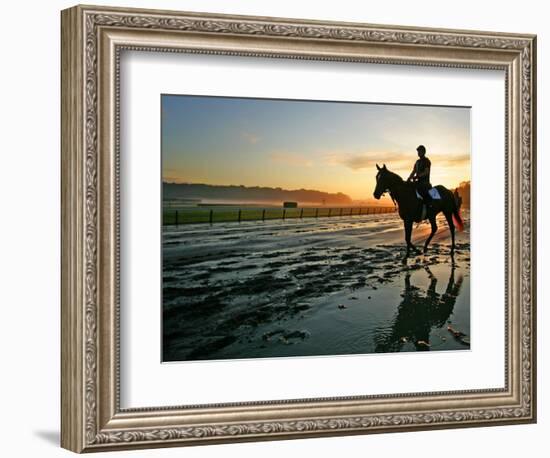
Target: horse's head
[(382, 184)]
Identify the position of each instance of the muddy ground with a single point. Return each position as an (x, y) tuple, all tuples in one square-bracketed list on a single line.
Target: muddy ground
[(312, 287)]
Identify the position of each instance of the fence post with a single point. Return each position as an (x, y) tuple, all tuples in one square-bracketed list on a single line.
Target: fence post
[(211, 216), (340, 212), (316, 213), (239, 217), (176, 218), (263, 214), (329, 212), (284, 213), (301, 213)]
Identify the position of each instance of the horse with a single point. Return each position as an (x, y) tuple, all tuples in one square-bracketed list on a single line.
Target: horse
[(410, 206)]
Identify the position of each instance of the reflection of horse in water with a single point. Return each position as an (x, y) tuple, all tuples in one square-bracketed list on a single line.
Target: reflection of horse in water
[(418, 313)]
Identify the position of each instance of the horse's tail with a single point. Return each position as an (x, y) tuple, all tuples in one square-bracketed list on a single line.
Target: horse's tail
[(457, 218)]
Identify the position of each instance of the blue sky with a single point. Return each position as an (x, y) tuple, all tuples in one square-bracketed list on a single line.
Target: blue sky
[(329, 146)]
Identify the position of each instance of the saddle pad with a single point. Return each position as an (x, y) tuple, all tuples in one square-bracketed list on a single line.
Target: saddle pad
[(434, 193)]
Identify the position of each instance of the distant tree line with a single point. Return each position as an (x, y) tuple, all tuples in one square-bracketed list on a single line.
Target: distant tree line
[(254, 193)]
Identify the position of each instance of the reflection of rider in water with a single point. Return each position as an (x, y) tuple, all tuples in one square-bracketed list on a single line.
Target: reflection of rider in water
[(418, 314), (420, 176)]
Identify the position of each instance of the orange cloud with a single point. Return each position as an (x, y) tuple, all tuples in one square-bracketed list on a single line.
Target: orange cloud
[(394, 160)]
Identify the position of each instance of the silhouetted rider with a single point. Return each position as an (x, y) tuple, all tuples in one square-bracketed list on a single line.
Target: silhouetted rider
[(420, 175)]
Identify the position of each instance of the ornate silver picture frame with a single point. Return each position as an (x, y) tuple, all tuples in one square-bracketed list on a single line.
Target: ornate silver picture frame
[(93, 39)]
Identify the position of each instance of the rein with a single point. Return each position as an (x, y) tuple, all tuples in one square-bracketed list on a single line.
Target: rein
[(393, 200), (392, 194)]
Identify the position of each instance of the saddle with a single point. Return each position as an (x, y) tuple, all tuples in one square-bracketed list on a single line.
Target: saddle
[(433, 192), (422, 213)]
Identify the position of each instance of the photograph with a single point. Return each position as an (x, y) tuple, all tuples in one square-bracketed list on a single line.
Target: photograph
[(302, 228), (267, 223)]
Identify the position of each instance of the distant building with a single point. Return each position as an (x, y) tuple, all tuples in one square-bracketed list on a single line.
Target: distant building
[(290, 204)]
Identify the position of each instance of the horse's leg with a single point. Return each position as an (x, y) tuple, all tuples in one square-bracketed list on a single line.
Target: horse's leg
[(434, 230), (408, 233), (449, 218)]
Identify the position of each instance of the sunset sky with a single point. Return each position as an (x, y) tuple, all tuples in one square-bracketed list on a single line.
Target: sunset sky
[(326, 146)]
